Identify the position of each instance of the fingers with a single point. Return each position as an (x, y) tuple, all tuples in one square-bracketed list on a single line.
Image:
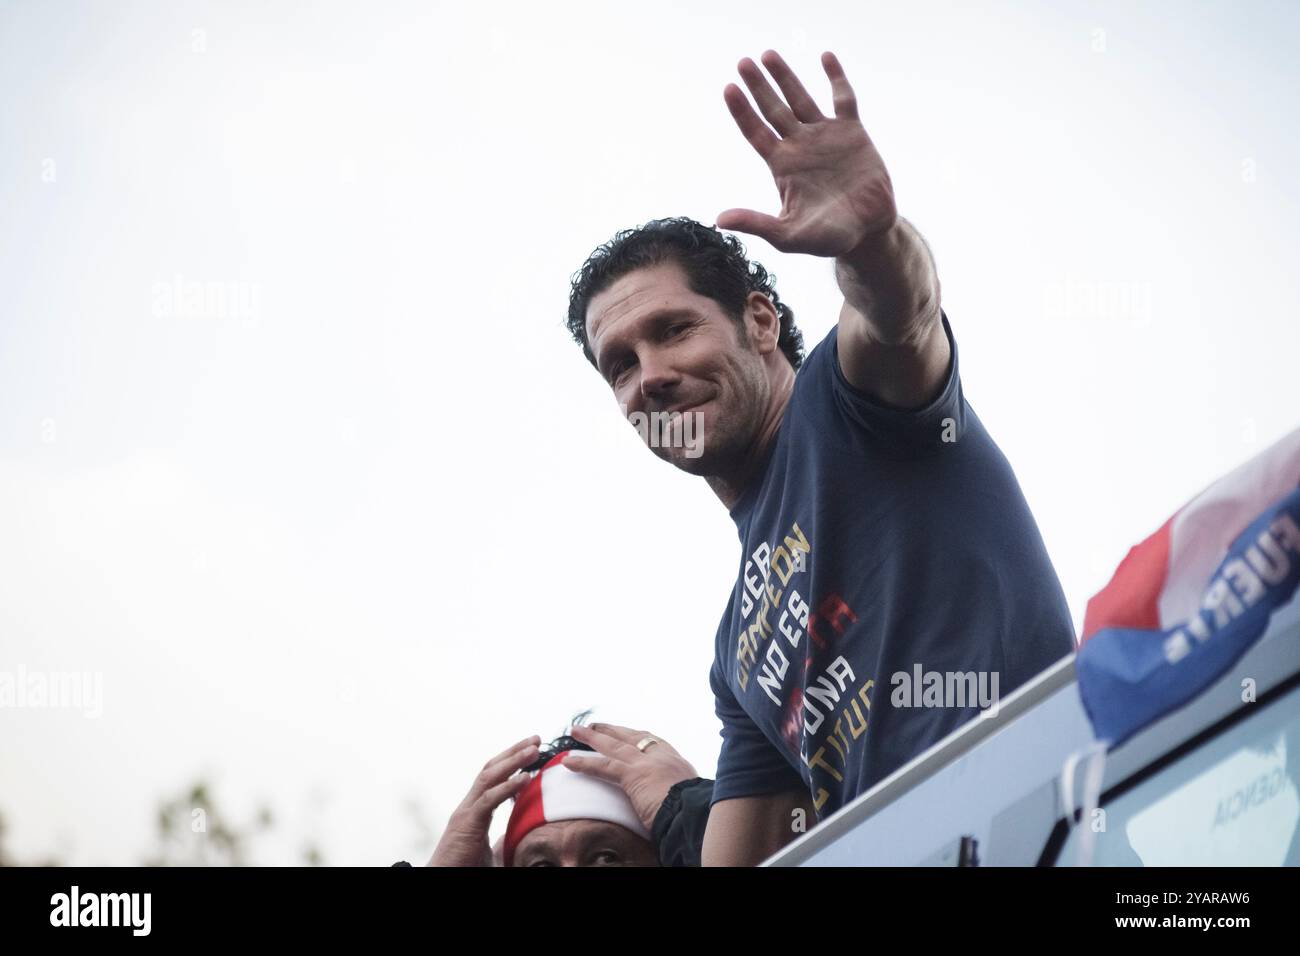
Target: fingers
[(846, 103), (606, 744), (492, 798), (751, 127), (593, 764), (632, 737), (496, 770), (755, 223), (772, 106), (785, 119), (625, 734), (803, 105)]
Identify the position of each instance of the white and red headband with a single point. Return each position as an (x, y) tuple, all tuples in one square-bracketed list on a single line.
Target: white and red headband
[(557, 793)]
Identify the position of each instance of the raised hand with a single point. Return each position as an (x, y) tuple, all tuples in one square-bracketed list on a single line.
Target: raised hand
[(465, 840), (835, 190), (645, 773)]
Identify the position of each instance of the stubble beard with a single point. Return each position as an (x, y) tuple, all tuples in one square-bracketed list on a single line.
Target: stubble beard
[(728, 435)]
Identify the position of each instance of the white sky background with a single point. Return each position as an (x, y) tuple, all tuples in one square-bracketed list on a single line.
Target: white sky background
[(337, 553)]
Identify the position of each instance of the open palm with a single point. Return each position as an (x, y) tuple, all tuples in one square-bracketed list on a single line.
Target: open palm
[(835, 191)]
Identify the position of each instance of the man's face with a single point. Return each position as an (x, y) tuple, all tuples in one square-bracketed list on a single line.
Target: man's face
[(584, 843), (663, 348)]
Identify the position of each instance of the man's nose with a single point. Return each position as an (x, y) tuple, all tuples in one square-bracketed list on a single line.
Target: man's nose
[(658, 378)]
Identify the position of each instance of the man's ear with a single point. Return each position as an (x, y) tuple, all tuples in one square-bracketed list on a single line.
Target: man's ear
[(763, 322)]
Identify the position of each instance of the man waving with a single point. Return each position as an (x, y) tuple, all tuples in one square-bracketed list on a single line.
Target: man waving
[(892, 581)]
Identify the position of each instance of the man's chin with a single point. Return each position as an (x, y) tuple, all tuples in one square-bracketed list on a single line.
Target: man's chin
[(681, 443), (693, 461), (678, 458)]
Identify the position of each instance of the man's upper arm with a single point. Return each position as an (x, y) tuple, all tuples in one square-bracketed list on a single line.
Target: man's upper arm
[(899, 433), (745, 831), (748, 764), (906, 375), (756, 791)]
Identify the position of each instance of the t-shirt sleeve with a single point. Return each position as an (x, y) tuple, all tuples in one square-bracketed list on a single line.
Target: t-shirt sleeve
[(907, 432), (749, 765)]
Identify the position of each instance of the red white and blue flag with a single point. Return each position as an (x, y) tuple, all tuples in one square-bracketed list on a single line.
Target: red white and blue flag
[(1188, 601)]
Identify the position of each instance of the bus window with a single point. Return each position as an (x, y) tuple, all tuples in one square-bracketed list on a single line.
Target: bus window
[(1232, 800)]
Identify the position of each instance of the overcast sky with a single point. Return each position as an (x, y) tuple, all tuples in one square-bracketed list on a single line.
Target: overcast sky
[(359, 515)]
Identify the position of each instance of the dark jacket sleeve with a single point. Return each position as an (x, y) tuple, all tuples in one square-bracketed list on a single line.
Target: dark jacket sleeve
[(678, 831)]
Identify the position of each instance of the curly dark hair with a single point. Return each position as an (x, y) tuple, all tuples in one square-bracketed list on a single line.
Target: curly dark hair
[(561, 743), (715, 266), (556, 746)]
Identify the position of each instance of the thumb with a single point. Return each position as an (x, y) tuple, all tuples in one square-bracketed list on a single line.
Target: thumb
[(753, 222)]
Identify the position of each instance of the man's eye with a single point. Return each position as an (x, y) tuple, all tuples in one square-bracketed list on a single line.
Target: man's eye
[(540, 863), (607, 858), (619, 370), (678, 328)]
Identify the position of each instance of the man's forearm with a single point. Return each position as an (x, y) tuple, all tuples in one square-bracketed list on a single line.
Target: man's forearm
[(747, 830), (890, 281)]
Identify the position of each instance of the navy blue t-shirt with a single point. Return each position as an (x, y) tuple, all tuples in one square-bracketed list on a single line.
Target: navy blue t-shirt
[(892, 583)]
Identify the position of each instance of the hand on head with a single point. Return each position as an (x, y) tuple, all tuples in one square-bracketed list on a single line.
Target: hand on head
[(642, 765), (596, 808), (465, 840)]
